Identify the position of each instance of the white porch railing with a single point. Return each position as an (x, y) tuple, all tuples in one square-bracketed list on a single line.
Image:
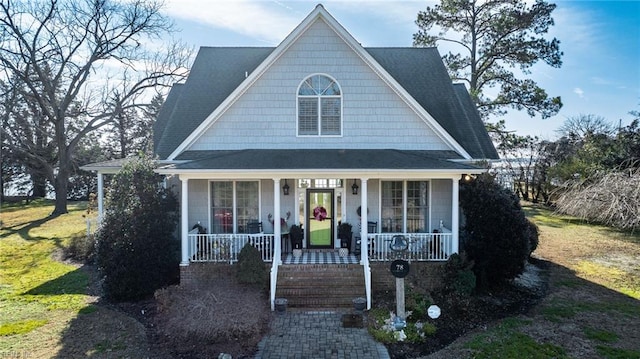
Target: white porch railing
[(224, 248), (422, 247)]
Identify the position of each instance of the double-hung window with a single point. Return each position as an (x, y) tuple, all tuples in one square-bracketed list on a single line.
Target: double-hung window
[(233, 205), (319, 107), (405, 206)]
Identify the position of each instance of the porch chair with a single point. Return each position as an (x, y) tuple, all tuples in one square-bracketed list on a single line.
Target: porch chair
[(398, 245), (436, 246), (254, 227)]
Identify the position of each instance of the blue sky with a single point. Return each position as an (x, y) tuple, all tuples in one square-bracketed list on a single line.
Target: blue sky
[(600, 40)]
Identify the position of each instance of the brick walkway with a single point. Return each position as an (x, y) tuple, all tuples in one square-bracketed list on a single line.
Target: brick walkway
[(300, 334)]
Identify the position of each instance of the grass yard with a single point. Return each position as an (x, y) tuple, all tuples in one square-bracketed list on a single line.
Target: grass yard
[(44, 302), (592, 309)]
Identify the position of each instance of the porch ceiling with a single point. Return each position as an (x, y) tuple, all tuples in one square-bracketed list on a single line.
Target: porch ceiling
[(321, 159)]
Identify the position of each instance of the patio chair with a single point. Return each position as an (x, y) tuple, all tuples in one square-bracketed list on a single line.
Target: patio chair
[(254, 227)]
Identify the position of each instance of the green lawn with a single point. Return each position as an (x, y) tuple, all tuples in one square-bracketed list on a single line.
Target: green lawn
[(39, 295)]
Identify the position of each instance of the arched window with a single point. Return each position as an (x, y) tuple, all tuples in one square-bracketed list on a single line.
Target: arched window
[(319, 107)]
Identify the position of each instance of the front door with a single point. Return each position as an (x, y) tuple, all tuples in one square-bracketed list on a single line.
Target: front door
[(320, 216)]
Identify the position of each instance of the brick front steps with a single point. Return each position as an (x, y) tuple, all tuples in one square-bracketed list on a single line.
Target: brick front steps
[(320, 285)]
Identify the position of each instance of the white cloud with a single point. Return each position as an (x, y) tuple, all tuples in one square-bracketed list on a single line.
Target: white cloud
[(268, 21), (398, 12), (574, 28), (272, 21), (578, 91)]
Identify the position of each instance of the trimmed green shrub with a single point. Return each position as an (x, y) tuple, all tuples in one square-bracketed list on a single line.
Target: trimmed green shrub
[(458, 275), (134, 245), (498, 235), (251, 269)]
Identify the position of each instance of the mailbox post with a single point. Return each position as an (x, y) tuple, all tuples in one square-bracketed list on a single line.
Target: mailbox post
[(399, 269)]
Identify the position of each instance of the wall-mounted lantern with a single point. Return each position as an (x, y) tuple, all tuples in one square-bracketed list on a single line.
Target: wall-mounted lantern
[(354, 188)]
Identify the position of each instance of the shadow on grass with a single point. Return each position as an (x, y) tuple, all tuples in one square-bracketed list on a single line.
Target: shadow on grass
[(74, 282), (23, 229), (576, 305)]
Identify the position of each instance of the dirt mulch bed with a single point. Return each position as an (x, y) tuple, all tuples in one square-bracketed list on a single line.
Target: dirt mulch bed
[(165, 345)]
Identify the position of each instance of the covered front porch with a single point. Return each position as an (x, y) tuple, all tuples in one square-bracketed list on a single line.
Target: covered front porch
[(430, 227), (381, 194)]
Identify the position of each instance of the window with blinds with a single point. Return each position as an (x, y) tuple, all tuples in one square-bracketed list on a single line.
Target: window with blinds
[(319, 107)]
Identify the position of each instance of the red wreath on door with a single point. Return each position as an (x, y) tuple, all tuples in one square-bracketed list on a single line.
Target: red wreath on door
[(319, 213)]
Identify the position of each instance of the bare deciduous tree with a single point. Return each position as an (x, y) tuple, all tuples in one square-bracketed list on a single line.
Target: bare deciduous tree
[(582, 126), (83, 62)]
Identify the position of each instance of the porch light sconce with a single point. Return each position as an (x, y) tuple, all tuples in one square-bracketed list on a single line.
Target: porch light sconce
[(466, 177), (285, 188), (354, 188)]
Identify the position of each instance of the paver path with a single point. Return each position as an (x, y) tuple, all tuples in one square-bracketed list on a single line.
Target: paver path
[(317, 335)]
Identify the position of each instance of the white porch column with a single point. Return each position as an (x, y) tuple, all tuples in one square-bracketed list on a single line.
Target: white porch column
[(184, 222), (100, 196), (364, 240), (455, 214), (277, 235), (277, 226), (364, 248)]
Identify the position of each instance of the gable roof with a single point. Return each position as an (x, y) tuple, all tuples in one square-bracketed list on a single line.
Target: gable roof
[(416, 74)]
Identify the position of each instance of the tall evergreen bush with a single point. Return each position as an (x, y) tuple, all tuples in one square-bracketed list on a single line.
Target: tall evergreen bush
[(499, 238), (135, 245)]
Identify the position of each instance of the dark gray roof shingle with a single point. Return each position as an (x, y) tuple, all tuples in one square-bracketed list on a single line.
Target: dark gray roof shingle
[(475, 124), (326, 159)]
